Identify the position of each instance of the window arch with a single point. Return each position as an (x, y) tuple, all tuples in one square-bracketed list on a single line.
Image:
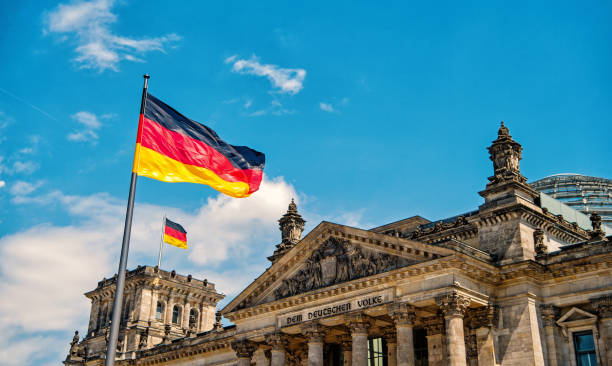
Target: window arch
[(159, 311), (176, 314), (193, 319)]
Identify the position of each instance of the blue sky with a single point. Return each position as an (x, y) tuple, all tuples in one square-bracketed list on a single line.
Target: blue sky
[(367, 114)]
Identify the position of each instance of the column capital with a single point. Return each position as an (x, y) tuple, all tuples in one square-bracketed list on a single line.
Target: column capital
[(402, 313), (358, 323), (483, 317), (549, 315), (603, 305), (243, 348), (277, 341), (313, 331), (433, 325), (345, 341), (390, 336), (453, 304)]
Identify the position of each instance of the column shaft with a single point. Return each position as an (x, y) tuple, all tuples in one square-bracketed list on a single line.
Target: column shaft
[(315, 353), (360, 348), (455, 341), (277, 357), (405, 345)]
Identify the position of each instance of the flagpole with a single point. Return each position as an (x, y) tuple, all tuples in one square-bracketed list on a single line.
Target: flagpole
[(111, 347), (161, 242)]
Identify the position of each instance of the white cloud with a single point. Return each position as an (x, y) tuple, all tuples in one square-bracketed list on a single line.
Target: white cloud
[(327, 107), (275, 108), (2, 183), (247, 104), (287, 80), (90, 123), (21, 188), (25, 167), (45, 269), (88, 24)]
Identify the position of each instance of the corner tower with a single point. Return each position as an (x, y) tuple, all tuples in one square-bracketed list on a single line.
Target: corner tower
[(159, 306)]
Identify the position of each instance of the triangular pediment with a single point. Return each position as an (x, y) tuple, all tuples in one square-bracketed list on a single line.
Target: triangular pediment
[(576, 315), (330, 255)]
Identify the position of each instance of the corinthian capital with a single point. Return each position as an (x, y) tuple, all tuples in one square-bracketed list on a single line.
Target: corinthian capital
[(313, 331), (402, 313), (243, 348), (358, 323), (603, 306), (453, 304), (549, 315), (277, 341)]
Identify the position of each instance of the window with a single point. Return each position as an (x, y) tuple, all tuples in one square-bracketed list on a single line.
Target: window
[(176, 314), (193, 319), (377, 352), (159, 311), (584, 346)]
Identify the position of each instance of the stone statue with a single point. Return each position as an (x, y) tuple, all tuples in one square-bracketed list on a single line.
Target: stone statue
[(74, 344)]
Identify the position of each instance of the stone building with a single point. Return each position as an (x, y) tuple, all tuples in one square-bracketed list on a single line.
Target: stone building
[(506, 284)]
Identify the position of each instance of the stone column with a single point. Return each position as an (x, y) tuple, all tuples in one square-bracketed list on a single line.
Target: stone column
[(391, 339), (604, 310), (186, 310), (347, 349), (436, 351), (277, 354), (315, 335), (153, 308), (359, 333), (453, 306), (404, 317), (244, 351), (168, 309), (260, 357), (549, 316)]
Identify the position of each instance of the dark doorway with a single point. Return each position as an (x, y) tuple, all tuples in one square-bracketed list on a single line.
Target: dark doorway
[(332, 355), (420, 347)]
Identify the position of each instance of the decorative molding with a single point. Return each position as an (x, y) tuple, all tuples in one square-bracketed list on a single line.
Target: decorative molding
[(244, 348), (313, 331), (334, 262), (277, 341), (549, 315), (603, 305), (402, 314), (453, 304)]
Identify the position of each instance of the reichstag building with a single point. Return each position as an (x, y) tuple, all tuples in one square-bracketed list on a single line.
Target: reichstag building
[(510, 283)]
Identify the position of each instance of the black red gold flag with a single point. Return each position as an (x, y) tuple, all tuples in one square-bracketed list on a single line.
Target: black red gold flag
[(173, 148)]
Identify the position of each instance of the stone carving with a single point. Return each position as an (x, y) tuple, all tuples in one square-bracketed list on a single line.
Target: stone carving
[(277, 341), (166, 339), (74, 344), (505, 153), (538, 239), (549, 315), (471, 347), (144, 339), (402, 313), (291, 226), (334, 262), (453, 304), (218, 326), (437, 227), (120, 344), (597, 233), (243, 348), (434, 325), (358, 323), (313, 332), (603, 305), (483, 317)]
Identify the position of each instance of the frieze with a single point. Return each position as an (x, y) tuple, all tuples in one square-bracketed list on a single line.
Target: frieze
[(335, 308), (334, 262)]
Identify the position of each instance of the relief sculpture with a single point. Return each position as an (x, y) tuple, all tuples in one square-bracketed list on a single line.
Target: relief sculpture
[(334, 262)]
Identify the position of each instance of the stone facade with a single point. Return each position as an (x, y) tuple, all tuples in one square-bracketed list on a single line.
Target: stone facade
[(506, 284)]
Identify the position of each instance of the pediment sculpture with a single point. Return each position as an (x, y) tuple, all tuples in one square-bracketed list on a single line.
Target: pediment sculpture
[(334, 262)]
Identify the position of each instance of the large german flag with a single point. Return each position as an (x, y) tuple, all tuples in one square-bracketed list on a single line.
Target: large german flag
[(172, 148)]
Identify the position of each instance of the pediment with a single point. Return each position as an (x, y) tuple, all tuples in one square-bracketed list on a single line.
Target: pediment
[(329, 255), (575, 315)]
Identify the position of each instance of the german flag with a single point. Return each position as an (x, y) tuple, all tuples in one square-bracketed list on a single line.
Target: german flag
[(172, 148), (174, 234)]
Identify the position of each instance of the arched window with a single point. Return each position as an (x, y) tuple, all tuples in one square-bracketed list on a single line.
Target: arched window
[(159, 310), (193, 319), (176, 314)]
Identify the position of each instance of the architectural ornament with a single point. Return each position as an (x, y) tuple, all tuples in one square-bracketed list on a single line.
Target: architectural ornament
[(243, 348), (313, 331), (597, 233), (358, 323), (538, 239), (505, 153), (603, 305), (334, 262), (433, 325), (291, 226), (549, 315), (453, 304), (277, 341), (402, 313)]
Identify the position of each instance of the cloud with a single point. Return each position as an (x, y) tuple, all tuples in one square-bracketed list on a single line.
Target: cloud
[(45, 269), (327, 107), (289, 81), (21, 188), (90, 123), (2, 183), (25, 167), (87, 24), (275, 108)]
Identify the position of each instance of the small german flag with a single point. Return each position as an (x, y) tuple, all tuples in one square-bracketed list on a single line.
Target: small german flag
[(172, 148), (175, 234)]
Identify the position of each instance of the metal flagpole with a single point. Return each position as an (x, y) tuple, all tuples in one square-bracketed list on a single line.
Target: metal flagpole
[(111, 347), (161, 242)]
